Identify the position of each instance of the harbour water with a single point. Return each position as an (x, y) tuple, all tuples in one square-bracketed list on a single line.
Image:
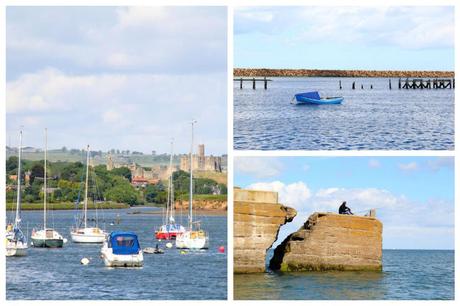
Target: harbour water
[(407, 275), (58, 275), (368, 119)]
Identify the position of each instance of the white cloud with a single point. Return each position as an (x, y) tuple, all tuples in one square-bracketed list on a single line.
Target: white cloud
[(258, 167), (374, 163), (441, 162), (144, 110), (404, 27), (412, 166), (293, 195)]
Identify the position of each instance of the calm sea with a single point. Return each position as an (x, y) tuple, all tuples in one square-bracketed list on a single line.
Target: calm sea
[(407, 275), (367, 120), (57, 273)]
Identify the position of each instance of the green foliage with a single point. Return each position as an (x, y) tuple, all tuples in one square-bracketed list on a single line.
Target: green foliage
[(122, 171), (123, 194), (156, 193)]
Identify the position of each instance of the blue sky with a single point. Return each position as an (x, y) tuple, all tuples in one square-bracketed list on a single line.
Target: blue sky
[(371, 38), (414, 196), (117, 77)]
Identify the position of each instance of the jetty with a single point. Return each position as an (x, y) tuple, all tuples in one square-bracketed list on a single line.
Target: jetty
[(253, 80)]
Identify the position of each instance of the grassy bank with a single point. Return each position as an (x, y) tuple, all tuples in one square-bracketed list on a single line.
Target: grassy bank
[(66, 206), (205, 197)]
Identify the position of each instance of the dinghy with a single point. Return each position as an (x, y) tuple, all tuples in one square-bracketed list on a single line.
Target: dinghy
[(122, 249), (314, 98)]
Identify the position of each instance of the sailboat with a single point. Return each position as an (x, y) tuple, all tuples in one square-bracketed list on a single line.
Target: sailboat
[(87, 234), (16, 242), (170, 229), (47, 237), (192, 238)]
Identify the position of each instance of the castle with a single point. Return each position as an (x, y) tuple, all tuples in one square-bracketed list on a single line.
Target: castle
[(201, 162)]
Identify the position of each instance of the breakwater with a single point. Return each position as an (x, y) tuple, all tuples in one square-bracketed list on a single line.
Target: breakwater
[(329, 241), (257, 219), (265, 72)]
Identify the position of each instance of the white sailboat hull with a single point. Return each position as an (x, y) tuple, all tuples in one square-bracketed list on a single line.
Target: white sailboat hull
[(117, 260), (88, 235), (14, 248), (192, 240)]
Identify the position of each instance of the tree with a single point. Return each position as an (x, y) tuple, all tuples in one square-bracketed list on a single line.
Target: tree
[(12, 164), (122, 171), (37, 171)]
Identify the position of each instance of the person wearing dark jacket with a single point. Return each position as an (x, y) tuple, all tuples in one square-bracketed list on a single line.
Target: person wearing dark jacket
[(344, 210)]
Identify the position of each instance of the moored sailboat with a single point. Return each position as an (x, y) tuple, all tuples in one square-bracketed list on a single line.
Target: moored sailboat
[(170, 229), (47, 237), (16, 241), (87, 234), (192, 238)]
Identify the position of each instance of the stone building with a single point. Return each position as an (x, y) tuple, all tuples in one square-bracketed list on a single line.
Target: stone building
[(201, 162)]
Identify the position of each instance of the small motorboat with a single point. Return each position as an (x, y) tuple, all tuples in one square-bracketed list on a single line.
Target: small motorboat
[(122, 249), (155, 250), (314, 98)]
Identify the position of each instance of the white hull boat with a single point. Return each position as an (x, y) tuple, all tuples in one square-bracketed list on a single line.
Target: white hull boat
[(88, 235), (122, 249), (192, 240), (16, 248)]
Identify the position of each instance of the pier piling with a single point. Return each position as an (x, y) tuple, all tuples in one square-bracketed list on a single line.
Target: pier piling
[(253, 83), (340, 84), (241, 83), (265, 83), (353, 86), (389, 84)]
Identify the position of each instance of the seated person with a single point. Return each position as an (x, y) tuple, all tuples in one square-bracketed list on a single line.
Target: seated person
[(344, 210)]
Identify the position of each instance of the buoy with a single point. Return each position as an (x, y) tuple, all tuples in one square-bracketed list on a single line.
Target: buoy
[(183, 252), (65, 240), (221, 249), (169, 245), (84, 261)]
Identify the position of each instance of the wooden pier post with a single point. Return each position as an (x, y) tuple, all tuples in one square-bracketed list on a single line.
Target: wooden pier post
[(362, 86), (389, 84), (253, 83), (453, 83), (340, 84), (372, 86), (399, 83), (353, 86), (265, 83), (241, 83)]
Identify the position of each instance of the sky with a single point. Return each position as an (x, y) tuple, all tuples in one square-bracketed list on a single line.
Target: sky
[(369, 38), (414, 196), (117, 77)]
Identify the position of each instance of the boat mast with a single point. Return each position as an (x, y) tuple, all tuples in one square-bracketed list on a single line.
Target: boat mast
[(190, 217), (18, 201), (171, 185), (86, 185), (44, 181)]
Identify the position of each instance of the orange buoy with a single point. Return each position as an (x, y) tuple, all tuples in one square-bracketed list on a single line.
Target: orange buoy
[(221, 249)]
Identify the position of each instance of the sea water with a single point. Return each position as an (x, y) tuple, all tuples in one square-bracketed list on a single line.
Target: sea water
[(406, 275), (58, 274), (368, 119)]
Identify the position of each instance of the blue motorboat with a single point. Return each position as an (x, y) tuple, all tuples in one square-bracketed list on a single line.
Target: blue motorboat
[(314, 98)]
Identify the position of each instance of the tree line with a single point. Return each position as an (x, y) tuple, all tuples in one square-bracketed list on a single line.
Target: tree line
[(65, 183)]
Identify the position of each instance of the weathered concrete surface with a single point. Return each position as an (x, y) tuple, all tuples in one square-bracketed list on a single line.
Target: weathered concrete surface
[(257, 219), (329, 241)]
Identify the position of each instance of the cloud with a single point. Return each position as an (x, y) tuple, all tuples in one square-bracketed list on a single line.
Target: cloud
[(293, 195), (412, 166), (433, 218), (144, 110), (166, 40), (404, 27), (441, 162), (258, 167), (374, 163)]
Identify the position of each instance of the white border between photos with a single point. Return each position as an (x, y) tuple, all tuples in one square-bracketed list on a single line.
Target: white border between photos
[(231, 4)]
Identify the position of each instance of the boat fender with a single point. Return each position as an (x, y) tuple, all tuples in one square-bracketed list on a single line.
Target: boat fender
[(84, 261), (221, 249)]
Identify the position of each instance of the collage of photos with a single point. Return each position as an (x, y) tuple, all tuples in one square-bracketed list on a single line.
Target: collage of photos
[(141, 166)]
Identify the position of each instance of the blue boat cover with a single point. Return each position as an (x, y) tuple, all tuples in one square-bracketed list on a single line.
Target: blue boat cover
[(124, 243), (310, 95)]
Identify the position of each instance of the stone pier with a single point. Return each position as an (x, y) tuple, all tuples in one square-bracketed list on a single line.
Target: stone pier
[(329, 241), (257, 219)]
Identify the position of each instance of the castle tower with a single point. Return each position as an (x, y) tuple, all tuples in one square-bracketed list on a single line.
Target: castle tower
[(110, 163)]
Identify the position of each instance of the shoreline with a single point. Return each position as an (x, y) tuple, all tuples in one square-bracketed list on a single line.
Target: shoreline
[(205, 212), (269, 72)]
